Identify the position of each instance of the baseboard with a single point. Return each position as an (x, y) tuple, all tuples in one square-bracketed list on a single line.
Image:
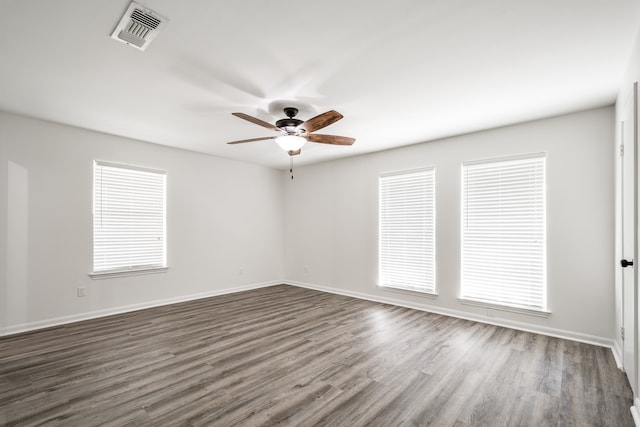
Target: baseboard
[(575, 336), (635, 411), (617, 354), (558, 333), (31, 326)]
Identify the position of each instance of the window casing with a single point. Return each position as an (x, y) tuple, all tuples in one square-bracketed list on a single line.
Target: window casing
[(407, 230), (129, 219), (504, 233)]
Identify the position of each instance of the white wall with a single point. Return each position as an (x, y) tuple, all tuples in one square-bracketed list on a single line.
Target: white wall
[(332, 219), (222, 217), (631, 75), (226, 216)]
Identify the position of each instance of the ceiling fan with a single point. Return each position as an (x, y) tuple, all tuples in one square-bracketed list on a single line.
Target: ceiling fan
[(294, 133)]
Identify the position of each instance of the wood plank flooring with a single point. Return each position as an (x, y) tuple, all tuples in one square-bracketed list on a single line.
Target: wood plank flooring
[(290, 356)]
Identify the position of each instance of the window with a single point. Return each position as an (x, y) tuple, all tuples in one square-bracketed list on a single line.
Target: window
[(503, 232), (128, 219), (407, 230)]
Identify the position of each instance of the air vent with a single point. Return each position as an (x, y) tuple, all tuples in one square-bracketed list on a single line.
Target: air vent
[(138, 26)]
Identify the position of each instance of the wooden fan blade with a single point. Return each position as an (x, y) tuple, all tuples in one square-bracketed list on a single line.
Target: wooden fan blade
[(251, 140), (330, 139), (320, 121), (295, 153), (256, 121)]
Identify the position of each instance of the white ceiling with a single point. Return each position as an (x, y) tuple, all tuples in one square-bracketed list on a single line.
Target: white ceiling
[(401, 72)]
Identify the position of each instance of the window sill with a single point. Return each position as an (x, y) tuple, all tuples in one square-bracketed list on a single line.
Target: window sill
[(493, 306), (408, 291), (123, 273)]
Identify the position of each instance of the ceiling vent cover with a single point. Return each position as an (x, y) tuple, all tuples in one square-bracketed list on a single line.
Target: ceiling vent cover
[(138, 26)]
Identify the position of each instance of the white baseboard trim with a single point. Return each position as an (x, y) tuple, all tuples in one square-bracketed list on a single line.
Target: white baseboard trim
[(635, 411), (526, 327), (41, 324), (575, 336), (617, 354)]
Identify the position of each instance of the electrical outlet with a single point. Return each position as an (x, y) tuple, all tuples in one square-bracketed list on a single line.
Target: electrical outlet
[(240, 272), (82, 291)]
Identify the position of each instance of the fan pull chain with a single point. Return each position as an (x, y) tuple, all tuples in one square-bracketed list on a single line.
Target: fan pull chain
[(291, 166)]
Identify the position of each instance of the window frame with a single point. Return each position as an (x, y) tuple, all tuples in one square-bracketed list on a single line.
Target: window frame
[(160, 178), (429, 288), (542, 309)]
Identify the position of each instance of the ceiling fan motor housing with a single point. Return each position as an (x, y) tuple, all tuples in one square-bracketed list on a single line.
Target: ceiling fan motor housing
[(290, 124)]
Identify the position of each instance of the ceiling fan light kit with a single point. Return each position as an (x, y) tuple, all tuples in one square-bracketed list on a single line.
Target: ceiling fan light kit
[(294, 133), (290, 142)]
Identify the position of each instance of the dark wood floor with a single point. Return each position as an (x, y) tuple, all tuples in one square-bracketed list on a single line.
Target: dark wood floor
[(290, 356)]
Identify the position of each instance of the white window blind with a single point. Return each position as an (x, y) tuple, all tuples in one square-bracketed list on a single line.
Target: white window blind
[(503, 232), (407, 230), (128, 218)]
